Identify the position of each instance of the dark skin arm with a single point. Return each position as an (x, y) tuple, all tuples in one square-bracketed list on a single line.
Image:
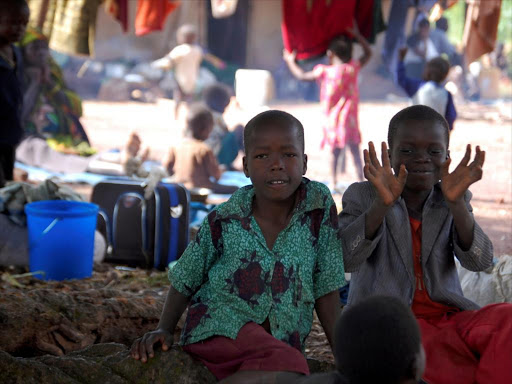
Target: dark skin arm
[(328, 310), (175, 304), (454, 185), (367, 49), (297, 72)]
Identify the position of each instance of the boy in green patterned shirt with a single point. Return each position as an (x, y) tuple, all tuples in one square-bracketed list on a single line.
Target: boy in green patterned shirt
[(260, 264)]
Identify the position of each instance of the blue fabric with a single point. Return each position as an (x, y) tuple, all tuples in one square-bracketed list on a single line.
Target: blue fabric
[(39, 174), (411, 86), (11, 100), (344, 293)]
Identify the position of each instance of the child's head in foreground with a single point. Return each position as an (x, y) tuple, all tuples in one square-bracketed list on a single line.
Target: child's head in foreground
[(341, 47), (436, 70), (14, 15), (274, 154), (186, 34), (378, 341), (199, 121), (418, 137), (217, 97)]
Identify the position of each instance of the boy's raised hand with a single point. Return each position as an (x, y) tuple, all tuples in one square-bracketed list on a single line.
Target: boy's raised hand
[(388, 185), (455, 184), (142, 348)]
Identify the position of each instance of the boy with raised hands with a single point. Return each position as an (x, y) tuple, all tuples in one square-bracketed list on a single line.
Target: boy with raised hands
[(400, 232)]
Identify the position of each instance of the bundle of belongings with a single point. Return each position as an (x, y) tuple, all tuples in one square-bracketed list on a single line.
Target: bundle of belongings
[(14, 248), (494, 285)]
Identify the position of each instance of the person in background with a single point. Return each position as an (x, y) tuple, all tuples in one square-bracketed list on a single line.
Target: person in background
[(51, 110), (377, 341), (443, 45), (401, 231), (430, 90), (192, 161), (339, 97), (225, 143), (421, 49), (132, 158), (260, 264), (14, 17), (185, 60)]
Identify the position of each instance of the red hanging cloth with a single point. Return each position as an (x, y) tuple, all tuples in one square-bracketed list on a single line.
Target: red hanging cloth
[(151, 15), (309, 25), (118, 9)]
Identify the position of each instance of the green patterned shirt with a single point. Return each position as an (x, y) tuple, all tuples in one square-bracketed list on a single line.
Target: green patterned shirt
[(234, 278)]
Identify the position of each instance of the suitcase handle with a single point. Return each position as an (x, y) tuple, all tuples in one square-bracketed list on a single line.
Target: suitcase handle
[(143, 221), (109, 239)]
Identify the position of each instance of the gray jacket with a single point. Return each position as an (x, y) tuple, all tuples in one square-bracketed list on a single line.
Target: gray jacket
[(384, 265)]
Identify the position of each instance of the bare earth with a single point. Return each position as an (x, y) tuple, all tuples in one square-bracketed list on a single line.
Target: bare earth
[(108, 125)]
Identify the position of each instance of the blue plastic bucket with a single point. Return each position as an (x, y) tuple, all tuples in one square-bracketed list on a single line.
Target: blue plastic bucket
[(61, 238)]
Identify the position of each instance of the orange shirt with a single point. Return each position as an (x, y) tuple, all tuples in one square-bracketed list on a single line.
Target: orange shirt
[(422, 304)]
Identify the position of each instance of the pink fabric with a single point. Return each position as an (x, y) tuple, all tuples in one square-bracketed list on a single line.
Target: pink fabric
[(254, 349), (339, 95), (469, 346)]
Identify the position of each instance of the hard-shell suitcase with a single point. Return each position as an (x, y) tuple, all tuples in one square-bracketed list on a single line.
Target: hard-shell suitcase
[(143, 232)]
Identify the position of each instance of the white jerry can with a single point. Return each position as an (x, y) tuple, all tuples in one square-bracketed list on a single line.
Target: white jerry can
[(253, 87)]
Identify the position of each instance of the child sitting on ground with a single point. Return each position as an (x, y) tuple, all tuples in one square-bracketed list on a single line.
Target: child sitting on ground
[(400, 231), (377, 341), (430, 91), (340, 98), (260, 264), (14, 17), (185, 59), (224, 143), (192, 162), (132, 159)]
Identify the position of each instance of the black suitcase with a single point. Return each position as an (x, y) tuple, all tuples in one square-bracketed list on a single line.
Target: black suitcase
[(140, 232)]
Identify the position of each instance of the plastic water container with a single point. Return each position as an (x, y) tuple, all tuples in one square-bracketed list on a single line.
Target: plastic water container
[(253, 87), (61, 238)]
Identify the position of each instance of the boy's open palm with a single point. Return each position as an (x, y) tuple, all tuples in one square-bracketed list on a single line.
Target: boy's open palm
[(455, 184), (388, 186)]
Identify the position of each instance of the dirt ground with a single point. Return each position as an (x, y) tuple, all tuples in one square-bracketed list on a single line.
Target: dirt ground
[(488, 125)]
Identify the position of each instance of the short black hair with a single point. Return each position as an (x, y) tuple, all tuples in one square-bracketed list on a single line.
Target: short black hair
[(272, 117), (186, 33), (217, 97), (442, 23), (417, 113), (423, 23), (198, 117), (377, 341), (437, 69), (341, 46)]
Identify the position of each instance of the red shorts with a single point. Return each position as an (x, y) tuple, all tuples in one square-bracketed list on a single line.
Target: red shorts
[(254, 349), (469, 346)]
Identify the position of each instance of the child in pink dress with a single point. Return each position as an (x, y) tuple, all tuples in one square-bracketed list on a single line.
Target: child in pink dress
[(339, 95)]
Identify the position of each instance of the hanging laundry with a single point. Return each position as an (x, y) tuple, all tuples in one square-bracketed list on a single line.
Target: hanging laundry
[(151, 15), (481, 28), (368, 14), (309, 25), (118, 9), (223, 8), (69, 25)]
